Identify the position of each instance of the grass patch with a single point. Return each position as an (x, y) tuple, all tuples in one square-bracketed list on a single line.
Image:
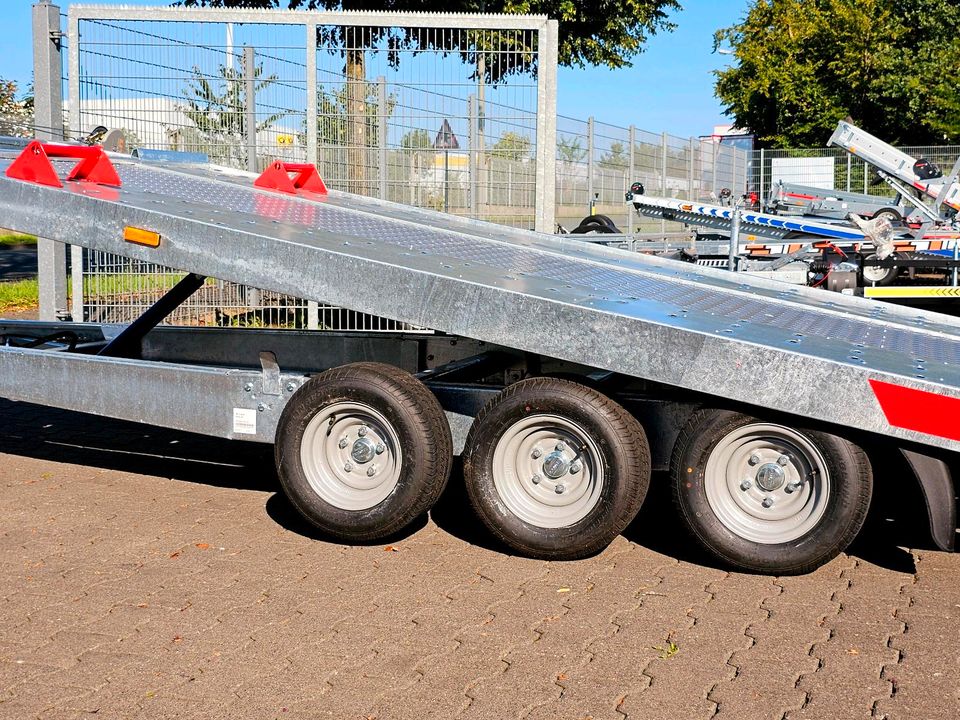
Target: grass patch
[(16, 239), (19, 294)]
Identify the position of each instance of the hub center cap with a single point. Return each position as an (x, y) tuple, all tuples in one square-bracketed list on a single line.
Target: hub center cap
[(555, 465), (770, 477), (363, 450)]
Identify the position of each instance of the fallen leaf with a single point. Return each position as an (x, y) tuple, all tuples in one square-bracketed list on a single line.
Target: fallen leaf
[(177, 638), (562, 676), (563, 589), (202, 546), (142, 605), (853, 651), (391, 548), (175, 554)]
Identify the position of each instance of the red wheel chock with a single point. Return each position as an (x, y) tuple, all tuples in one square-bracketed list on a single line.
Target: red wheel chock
[(277, 177), (33, 164)]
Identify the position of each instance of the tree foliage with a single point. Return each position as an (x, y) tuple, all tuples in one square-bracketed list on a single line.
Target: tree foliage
[(803, 65), (16, 115), (591, 32), (512, 146)]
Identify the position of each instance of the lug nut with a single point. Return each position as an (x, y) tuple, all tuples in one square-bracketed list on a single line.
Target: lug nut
[(371, 471), (767, 502), (575, 468), (559, 489), (362, 431), (754, 459), (535, 479), (792, 487), (291, 387), (560, 447), (783, 460), (343, 443), (347, 467), (380, 448), (537, 452), (248, 387), (746, 485)]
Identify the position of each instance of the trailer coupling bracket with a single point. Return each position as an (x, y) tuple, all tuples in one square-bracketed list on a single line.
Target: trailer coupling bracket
[(270, 379), (33, 164), (277, 177)]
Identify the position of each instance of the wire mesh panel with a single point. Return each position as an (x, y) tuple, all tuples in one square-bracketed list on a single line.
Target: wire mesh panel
[(438, 114)]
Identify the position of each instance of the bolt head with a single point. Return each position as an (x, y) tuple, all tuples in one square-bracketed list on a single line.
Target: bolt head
[(380, 448), (261, 407), (347, 467), (362, 431), (754, 459), (343, 443), (792, 487), (248, 387), (371, 471), (291, 387), (537, 452), (575, 468), (535, 479), (559, 489), (746, 485), (767, 502), (560, 447), (783, 460)]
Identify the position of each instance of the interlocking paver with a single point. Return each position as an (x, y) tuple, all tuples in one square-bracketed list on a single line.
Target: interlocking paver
[(143, 586)]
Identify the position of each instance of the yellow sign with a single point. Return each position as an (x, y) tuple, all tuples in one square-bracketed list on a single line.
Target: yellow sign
[(284, 139)]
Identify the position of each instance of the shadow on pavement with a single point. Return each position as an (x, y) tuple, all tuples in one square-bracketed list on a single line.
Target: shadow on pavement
[(897, 520)]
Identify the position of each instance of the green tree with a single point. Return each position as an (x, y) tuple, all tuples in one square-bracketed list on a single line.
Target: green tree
[(16, 115), (570, 150), (215, 106), (512, 146), (418, 139), (616, 157), (803, 65), (591, 32)]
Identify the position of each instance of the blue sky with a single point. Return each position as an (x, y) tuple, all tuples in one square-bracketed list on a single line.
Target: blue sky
[(669, 88)]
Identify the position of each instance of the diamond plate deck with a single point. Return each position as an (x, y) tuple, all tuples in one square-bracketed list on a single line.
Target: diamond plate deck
[(796, 350)]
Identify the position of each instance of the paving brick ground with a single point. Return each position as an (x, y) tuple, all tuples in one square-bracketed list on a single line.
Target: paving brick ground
[(152, 574)]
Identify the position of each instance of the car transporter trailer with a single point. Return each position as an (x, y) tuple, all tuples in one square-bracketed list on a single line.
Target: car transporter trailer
[(563, 373)]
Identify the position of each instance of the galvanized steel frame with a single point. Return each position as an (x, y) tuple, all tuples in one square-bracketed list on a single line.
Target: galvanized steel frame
[(756, 361)]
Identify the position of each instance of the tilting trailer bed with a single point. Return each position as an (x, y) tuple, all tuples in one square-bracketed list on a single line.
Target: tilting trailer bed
[(562, 372)]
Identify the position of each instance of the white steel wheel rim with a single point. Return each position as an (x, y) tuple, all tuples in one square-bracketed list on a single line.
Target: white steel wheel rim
[(336, 471), (751, 498), (874, 273), (555, 499)]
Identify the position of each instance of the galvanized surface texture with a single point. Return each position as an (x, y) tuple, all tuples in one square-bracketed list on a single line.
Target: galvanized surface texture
[(796, 350)]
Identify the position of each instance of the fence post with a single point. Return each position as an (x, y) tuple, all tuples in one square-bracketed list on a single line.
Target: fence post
[(633, 143), (590, 162), (250, 107), (691, 171), (382, 115), (663, 179), (866, 184), (472, 153), (545, 203), (48, 125), (311, 115), (761, 192)]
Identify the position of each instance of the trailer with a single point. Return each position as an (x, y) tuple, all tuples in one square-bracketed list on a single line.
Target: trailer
[(795, 199), (563, 373)]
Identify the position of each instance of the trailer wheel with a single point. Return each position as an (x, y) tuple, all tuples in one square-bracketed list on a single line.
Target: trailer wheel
[(555, 469), (362, 450), (881, 276), (766, 497)]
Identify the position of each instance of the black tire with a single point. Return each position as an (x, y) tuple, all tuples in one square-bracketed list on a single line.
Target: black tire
[(592, 221), (419, 471), (880, 279), (895, 216), (594, 227), (844, 480), (605, 493)]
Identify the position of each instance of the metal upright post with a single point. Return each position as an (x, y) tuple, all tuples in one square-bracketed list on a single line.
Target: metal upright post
[(849, 170), (663, 179), (545, 202), (691, 171), (632, 139), (590, 162), (48, 125), (250, 106), (311, 118), (734, 248), (761, 192), (382, 113), (472, 155)]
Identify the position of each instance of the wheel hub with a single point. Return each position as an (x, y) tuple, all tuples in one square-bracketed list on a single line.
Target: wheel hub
[(770, 477), (555, 466), (364, 450)]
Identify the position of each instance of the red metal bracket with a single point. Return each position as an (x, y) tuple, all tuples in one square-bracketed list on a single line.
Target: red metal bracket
[(277, 177), (33, 164)]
